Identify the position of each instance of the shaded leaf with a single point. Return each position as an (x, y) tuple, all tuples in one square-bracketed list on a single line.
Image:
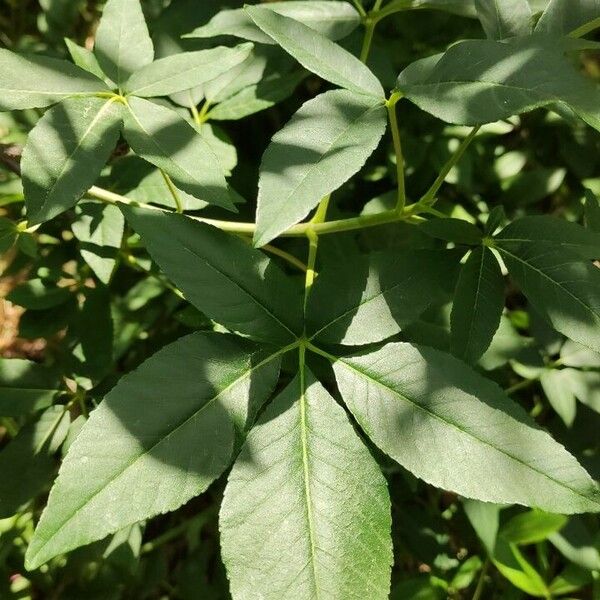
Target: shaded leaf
[(307, 487), (332, 19), (478, 305), (25, 387), (163, 138), (159, 438), (99, 228), (459, 430), (502, 19), (370, 298), (37, 81), (186, 70), (123, 44), (561, 286), (222, 275), (65, 153), (26, 462), (316, 53)]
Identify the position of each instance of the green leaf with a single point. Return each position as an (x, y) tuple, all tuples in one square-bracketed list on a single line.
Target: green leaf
[(481, 81), (316, 53), (159, 438), (123, 44), (571, 579), (465, 8), (184, 71), (542, 228), (458, 431), (85, 59), (8, 234), (458, 231), (485, 520), (257, 97), (25, 387), (332, 19), (513, 565), (529, 187), (503, 19), (369, 298), (168, 141), (224, 277), (532, 527), (576, 544), (37, 294), (99, 228), (576, 355), (561, 286), (563, 17), (326, 142), (65, 153), (306, 512), (478, 305), (37, 81), (592, 211), (26, 462), (585, 385), (557, 387), (465, 575)]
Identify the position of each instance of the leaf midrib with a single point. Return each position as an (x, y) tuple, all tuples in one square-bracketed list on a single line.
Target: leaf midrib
[(97, 119), (167, 155), (430, 413), (132, 462), (327, 67)]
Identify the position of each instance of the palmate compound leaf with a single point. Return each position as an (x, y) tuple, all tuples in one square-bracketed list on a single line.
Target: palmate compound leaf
[(38, 81), (481, 81), (370, 298), (163, 138), (332, 19), (306, 512), (477, 306), (123, 44), (159, 438), (65, 153), (563, 287), (316, 53), (326, 142), (223, 276), (184, 71), (456, 430)]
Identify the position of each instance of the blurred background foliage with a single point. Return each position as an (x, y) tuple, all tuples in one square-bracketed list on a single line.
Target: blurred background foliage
[(63, 328)]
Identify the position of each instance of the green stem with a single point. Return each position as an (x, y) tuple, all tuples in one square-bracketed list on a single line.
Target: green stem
[(359, 8), (391, 108), (174, 192), (481, 581), (313, 244), (370, 25), (585, 28), (431, 193), (353, 223)]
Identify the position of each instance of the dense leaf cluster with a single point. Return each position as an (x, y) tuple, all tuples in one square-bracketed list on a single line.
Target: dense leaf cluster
[(322, 389)]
